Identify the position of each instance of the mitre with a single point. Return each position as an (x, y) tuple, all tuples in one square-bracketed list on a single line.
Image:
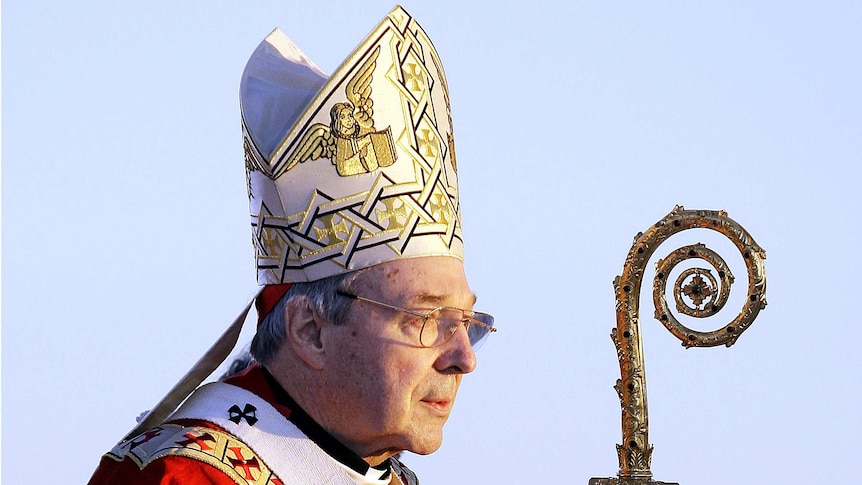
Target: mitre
[(352, 170)]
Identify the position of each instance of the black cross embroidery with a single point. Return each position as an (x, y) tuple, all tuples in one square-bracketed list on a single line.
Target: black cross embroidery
[(247, 413)]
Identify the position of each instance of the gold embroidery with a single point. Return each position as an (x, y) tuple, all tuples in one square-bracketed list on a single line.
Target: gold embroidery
[(330, 230), (216, 448), (271, 243), (390, 215), (414, 76), (350, 141), (440, 210), (428, 142), (346, 216)]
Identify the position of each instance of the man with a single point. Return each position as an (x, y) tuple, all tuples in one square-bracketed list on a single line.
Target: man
[(366, 325)]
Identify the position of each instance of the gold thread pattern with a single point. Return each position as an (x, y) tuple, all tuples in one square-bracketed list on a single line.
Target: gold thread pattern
[(350, 141), (389, 214), (213, 447)]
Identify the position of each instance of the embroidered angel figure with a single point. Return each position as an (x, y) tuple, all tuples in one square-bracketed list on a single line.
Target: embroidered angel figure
[(350, 141)]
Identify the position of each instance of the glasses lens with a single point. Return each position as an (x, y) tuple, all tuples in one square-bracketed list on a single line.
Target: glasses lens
[(479, 328), (439, 326), (428, 334), (444, 322)]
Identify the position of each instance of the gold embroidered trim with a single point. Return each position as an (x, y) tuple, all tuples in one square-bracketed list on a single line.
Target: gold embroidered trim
[(213, 447)]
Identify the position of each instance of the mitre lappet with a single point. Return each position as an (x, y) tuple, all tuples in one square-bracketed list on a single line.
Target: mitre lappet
[(343, 172)]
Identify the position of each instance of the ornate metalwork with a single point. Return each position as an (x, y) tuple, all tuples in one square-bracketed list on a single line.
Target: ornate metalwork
[(697, 293)]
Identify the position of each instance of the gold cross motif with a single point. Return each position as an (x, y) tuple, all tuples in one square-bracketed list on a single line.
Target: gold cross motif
[(331, 230), (271, 243), (428, 141), (439, 208), (413, 77), (390, 215)]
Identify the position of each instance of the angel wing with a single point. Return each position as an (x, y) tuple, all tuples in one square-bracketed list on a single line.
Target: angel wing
[(358, 91), (317, 142)]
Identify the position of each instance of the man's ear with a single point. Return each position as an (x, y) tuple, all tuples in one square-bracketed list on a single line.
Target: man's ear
[(303, 329)]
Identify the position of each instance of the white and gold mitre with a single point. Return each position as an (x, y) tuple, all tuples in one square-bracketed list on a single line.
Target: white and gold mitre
[(353, 170)]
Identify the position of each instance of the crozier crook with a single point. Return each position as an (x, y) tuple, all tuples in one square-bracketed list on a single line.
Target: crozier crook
[(696, 294)]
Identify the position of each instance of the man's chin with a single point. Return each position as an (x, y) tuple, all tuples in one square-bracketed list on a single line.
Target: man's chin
[(424, 451), (428, 443)]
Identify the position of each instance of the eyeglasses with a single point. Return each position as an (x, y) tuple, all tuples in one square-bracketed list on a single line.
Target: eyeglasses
[(439, 324)]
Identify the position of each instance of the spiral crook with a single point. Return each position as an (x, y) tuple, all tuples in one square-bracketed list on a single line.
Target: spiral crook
[(697, 293)]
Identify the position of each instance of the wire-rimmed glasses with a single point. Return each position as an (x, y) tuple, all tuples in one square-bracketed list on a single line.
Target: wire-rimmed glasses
[(446, 321)]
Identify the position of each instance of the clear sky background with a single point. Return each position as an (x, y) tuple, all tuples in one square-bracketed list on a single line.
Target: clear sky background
[(126, 247)]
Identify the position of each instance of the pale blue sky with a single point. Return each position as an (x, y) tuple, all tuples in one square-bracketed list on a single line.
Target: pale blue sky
[(126, 249)]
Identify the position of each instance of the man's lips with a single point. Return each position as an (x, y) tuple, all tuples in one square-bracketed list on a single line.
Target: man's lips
[(439, 404)]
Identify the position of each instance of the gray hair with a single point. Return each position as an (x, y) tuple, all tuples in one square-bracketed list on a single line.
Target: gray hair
[(322, 297)]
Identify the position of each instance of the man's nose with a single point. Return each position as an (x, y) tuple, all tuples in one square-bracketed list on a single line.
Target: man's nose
[(458, 355)]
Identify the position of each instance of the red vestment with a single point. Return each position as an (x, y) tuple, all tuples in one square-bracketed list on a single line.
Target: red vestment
[(200, 452)]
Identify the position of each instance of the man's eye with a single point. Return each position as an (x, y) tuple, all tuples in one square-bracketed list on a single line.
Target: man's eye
[(413, 322)]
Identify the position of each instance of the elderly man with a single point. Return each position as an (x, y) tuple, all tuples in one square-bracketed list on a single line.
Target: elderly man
[(366, 323)]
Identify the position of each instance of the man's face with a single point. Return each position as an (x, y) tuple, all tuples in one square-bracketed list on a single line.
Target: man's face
[(389, 393)]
